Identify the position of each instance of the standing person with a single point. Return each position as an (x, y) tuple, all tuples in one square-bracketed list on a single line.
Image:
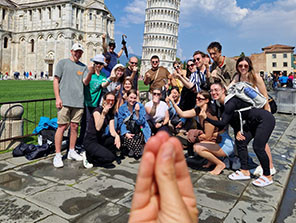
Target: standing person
[(93, 92), (70, 76), (157, 76), (133, 125), (132, 71), (101, 140), (104, 70), (223, 67), (259, 125), (246, 73), (110, 51)]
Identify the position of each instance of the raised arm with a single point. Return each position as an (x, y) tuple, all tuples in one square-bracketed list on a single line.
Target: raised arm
[(183, 114)]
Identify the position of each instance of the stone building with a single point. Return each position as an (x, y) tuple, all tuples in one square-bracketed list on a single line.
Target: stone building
[(36, 34), (160, 33), (279, 58)]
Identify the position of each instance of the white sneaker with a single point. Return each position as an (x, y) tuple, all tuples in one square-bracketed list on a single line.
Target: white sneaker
[(259, 171), (73, 155), (86, 164), (57, 161)]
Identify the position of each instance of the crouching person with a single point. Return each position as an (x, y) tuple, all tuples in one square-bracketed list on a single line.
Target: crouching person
[(133, 125), (101, 140)]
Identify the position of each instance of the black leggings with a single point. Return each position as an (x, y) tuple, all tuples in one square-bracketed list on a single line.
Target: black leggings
[(260, 130), (101, 152)]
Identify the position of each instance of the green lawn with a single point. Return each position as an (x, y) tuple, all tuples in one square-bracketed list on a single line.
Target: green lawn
[(20, 90), (16, 90)]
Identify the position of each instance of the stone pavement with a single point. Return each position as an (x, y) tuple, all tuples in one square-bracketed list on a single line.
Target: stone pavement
[(35, 191)]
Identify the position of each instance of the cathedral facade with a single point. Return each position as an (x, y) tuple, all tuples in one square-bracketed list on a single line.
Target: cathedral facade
[(36, 34)]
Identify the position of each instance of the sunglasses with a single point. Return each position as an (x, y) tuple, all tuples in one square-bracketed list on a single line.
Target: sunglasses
[(200, 99), (110, 101), (197, 59), (154, 62), (176, 67), (157, 94), (134, 63), (190, 65), (243, 66), (98, 63)]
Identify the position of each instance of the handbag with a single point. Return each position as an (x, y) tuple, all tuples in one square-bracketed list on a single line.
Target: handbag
[(272, 104), (131, 125)]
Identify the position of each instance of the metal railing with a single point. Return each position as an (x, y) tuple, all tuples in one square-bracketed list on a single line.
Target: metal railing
[(33, 110)]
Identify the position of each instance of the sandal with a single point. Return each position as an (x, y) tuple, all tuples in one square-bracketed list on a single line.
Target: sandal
[(238, 175), (262, 181)]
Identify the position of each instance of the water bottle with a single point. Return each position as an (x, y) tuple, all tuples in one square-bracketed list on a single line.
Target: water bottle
[(250, 92)]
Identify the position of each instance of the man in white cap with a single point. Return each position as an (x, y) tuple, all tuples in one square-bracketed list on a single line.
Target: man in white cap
[(70, 76)]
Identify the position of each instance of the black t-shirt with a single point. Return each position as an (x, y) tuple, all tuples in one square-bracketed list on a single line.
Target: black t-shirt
[(91, 132), (231, 117), (128, 73)]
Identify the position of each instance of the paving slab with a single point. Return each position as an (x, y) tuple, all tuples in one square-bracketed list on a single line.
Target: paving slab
[(53, 219), (72, 172), (4, 166), (66, 201), (14, 209), (22, 185), (112, 189), (210, 215), (105, 213)]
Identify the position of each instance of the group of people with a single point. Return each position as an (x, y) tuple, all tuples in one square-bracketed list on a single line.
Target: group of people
[(104, 99)]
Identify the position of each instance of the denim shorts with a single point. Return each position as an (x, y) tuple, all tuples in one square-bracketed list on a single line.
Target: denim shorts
[(226, 144)]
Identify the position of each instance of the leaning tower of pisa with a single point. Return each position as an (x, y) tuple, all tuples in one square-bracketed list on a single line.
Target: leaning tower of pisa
[(160, 33)]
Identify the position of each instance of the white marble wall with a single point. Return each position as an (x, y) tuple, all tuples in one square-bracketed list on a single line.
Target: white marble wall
[(53, 27)]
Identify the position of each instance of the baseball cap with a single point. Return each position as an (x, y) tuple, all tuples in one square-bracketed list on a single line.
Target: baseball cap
[(77, 46), (99, 58)]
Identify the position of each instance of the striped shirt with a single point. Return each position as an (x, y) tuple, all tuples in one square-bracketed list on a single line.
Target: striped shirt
[(197, 78)]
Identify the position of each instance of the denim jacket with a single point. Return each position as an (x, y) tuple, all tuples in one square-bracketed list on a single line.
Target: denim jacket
[(123, 112)]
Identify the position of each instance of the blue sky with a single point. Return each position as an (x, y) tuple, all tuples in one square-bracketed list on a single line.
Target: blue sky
[(239, 25)]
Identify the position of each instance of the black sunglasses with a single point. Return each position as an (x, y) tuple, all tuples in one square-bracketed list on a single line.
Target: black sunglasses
[(133, 62), (98, 63), (195, 60)]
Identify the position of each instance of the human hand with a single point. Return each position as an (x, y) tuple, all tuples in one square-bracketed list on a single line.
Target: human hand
[(104, 36), (240, 136), (129, 135), (203, 114), (137, 107), (170, 97), (164, 192), (158, 125), (118, 87), (179, 125), (59, 103), (135, 68), (106, 108), (117, 141), (91, 69)]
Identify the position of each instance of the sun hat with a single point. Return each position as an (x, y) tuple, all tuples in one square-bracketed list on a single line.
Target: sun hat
[(99, 58)]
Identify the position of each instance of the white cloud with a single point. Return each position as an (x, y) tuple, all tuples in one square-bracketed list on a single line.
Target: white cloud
[(222, 10), (275, 21), (130, 50), (135, 13)]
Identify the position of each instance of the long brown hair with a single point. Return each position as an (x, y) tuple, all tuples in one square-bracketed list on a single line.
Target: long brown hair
[(251, 71)]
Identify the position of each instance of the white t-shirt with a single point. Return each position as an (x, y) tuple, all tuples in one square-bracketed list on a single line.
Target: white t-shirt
[(161, 109)]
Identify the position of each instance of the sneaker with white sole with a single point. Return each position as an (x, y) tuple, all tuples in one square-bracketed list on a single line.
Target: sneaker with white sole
[(73, 155), (86, 164), (57, 161)]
